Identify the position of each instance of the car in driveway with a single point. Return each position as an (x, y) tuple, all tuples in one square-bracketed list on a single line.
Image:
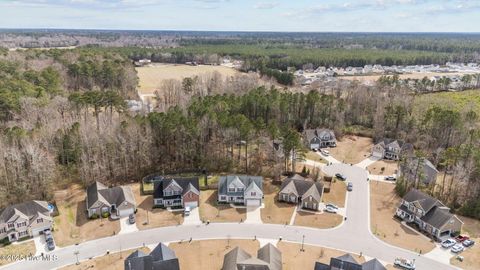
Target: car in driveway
[(461, 238), (458, 248), (340, 176), (349, 186), (390, 178), (331, 205), (50, 244), (331, 209), (131, 219), (404, 263), (48, 235), (325, 152), (448, 243), (468, 243), (187, 211)]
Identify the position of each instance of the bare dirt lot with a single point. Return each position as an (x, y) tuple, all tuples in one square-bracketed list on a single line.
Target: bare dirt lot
[(72, 225), (151, 77), (315, 220), (293, 258), (113, 261), (208, 254), (156, 217), (275, 211), (214, 212), (352, 149), (383, 202), (389, 167), (25, 249), (337, 194)]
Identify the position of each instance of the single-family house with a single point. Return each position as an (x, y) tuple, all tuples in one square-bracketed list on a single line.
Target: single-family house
[(415, 169), (390, 149), (347, 261), (318, 138), (160, 258), (24, 220), (241, 189), (268, 258), (303, 191), (431, 215), (176, 192), (116, 201)]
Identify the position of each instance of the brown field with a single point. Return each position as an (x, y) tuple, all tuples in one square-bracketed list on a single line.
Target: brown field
[(337, 194), (156, 217), (208, 254), (112, 261), (72, 225), (352, 149), (418, 76), (294, 259), (275, 211), (320, 221), (315, 157), (383, 202), (25, 249), (209, 210), (390, 167), (151, 77)]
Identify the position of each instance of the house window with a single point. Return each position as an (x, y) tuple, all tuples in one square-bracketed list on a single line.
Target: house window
[(231, 189), (39, 220), (11, 225), (310, 199), (3, 230), (20, 234), (223, 198), (254, 193), (21, 224), (167, 193)]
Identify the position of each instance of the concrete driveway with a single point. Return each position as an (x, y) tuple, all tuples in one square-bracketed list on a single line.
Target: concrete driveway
[(329, 158), (367, 162), (126, 227), (254, 215), (193, 218)]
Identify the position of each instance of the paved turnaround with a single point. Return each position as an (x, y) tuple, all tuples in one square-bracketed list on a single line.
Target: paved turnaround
[(353, 235)]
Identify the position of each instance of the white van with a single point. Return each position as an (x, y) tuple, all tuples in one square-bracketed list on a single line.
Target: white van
[(187, 210)]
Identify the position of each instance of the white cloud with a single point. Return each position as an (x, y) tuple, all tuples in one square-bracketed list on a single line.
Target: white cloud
[(265, 5)]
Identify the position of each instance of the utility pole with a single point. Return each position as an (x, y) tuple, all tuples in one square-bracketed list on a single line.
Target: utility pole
[(303, 243), (76, 255)]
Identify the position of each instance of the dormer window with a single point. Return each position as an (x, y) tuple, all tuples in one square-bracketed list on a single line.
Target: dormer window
[(39, 220), (231, 189), (11, 225), (240, 189)]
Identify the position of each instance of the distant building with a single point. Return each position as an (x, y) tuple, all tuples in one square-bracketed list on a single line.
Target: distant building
[(241, 189), (116, 201), (143, 62), (302, 191), (418, 169), (390, 149), (176, 192), (318, 138), (268, 258)]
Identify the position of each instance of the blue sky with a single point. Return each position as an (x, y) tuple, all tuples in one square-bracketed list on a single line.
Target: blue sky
[(246, 15)]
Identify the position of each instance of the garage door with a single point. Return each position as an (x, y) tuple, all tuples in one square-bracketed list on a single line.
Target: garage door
[(377, 154), (253, 202), (38, 231), (125, 212), (191, 204), (314, 146)]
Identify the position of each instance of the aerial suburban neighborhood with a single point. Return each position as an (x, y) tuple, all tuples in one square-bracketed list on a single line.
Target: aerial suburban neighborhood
[(239, 135)]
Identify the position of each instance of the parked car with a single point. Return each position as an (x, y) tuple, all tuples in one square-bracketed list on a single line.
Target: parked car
[(390, 178), (131, 218), (187, 211), (404, 263), (340, 176), (331, 205), (331, 209), (50, 244), (349, 186), (468, 243), (448, 243), (461, 238), (457, 248), (325, 152), (48, 235)]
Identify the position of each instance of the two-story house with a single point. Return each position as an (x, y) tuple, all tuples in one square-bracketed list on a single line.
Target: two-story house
[(177, 192), (268, 258), (415, 169), (116, 201), (431, 215), (303, 191), (160, 258), (24, 220), (241, 189), (318, 138), (390, 149), (347, 261)]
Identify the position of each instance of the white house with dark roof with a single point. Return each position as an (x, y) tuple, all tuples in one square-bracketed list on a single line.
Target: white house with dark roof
[(24, 220), (241, 189), (319, 138), (431, 215), (390, 149), (116, 201)]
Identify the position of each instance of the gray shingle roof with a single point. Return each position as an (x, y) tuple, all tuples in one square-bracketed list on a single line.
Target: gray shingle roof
[(425, 201), (225, 181), (437, 217), (29, 209), (268, 258), (347, 262), (161, 258), (373, 264), (115, 195), (303, 186), (183, 182)]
